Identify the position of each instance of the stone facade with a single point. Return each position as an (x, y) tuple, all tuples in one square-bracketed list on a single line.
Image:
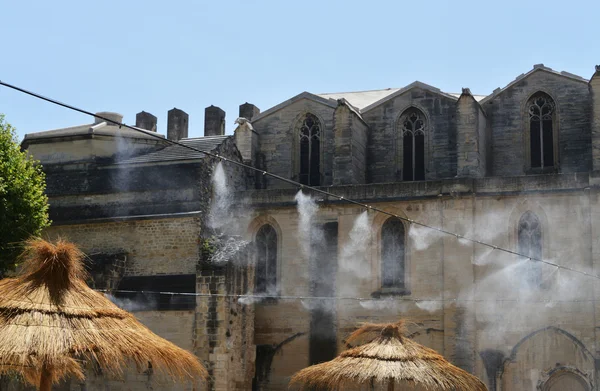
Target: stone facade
[(515, 323)]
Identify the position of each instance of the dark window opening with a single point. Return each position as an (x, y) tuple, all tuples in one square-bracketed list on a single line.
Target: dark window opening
[(266, 262), (393, 254), (142, 298), (541, 136), (530, 245), (323, 335), (310, 151), (413, 137)]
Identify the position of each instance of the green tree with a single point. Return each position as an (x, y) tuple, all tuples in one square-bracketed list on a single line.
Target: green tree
[(23, 203)]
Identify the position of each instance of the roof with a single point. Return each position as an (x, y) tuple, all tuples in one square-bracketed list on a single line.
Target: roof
[(175, 152), (476, 97), (536, 68), (100, 129), (360, 99)]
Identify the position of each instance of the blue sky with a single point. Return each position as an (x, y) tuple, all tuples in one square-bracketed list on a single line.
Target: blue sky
[(128, 55)]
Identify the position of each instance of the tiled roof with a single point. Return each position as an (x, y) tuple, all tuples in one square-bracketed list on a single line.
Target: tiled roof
[(177, 153)]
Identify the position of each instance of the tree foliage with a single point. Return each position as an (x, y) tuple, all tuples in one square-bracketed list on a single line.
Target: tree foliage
[(23, 203)]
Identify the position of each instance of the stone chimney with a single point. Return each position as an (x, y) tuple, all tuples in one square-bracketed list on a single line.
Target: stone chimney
[(145, 121), (594, 86), (177, 124), (248, 111), (214, 121), (116, 117)]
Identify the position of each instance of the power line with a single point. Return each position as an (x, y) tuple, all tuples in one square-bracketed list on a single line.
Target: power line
[(297, 184), (260, 297)]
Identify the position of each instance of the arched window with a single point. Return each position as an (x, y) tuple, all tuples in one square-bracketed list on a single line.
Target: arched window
[(310, 151), (413, 125), (266, 262), (541, 130), (530, 245), (392, 254)]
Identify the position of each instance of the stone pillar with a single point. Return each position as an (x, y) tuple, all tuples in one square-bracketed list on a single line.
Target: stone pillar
[(225, 325), (471, 140), (177, 124), (594, 86), (350, 146), (146, 121), (246, 140), (214, 121), (248, 111)]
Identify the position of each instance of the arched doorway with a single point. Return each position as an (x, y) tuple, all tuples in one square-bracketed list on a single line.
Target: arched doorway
[(566, 381)]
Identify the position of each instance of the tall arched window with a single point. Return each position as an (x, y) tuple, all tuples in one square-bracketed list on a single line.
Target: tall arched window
[(541, 130), (392, 254), (413, 125), (530, 245), (266, 262), (310, 151)]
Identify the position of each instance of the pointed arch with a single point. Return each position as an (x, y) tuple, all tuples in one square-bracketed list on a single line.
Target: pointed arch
[(309, 138), (537, 367), (413, 134), (265, 234), (393, 250), (391, 253), (541, 133), (266, 243), (529, 239)]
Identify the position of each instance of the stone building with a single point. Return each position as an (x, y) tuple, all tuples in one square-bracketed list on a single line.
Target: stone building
[(517, 169)]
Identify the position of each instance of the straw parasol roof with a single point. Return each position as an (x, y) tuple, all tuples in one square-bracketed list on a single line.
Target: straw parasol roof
[(387, 358), (51, 323)]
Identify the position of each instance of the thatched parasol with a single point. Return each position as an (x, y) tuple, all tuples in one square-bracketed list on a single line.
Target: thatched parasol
[(389, 357), (51, 323)]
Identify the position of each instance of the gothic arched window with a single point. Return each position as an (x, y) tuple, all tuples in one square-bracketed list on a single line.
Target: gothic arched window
[(266, 262), (541, 110), (530, 245), (393, 254), (310, 151), (412, 127)]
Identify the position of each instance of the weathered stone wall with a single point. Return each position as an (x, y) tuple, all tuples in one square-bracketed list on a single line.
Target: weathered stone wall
[(153, 246), (278, 140), (471, 137), (385, 141), (507, 113), (462, 299), (350, 140)]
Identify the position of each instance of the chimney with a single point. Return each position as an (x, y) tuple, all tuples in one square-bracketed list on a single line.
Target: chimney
[(145, 121), (214, 121), (115, 117), (177, 124), (248, 111)]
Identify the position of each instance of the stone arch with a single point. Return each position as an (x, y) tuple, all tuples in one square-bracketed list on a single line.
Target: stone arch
[(527, 131), (399, 139), (550, 347), (565, 379), (538, 273), (253, 229), (513, 223), (295, 129), (378, 221)]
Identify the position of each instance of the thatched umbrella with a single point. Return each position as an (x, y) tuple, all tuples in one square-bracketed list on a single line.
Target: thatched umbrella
[(388, 357), (51, 323)]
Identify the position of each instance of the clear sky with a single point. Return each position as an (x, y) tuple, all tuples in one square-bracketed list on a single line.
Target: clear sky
[(129, 55)]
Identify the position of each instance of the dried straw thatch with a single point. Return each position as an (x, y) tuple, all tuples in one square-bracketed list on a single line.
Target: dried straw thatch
[(51, 323), (387, 358)]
